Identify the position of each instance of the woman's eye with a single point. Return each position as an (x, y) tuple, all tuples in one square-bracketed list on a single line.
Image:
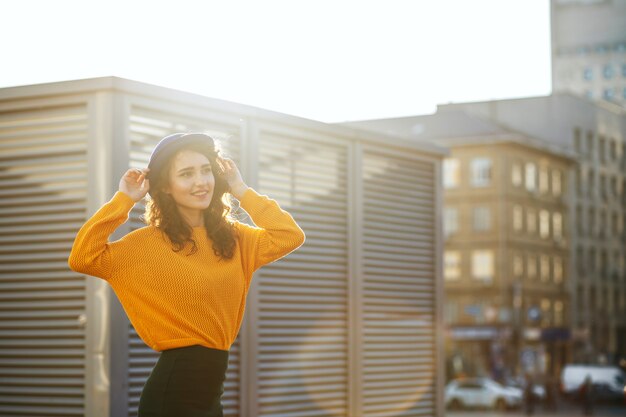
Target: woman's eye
[(186, 174), (206, 170)]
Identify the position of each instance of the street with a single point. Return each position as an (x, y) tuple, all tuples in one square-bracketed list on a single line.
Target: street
[(564, 410)]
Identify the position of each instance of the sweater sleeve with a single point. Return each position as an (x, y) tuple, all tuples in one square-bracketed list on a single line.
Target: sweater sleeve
[(276, 235), (91, 252)]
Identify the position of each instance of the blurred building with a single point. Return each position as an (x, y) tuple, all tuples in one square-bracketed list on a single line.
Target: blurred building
[(347, 325), (535, 249), (596, 131), (589, 48)]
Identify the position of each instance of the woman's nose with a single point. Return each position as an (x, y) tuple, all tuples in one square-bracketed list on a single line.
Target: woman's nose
[(202, 179)]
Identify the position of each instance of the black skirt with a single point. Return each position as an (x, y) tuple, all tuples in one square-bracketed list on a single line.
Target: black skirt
[(185, 382)]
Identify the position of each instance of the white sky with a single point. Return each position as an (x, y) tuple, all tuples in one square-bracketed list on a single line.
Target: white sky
[(332, 61)]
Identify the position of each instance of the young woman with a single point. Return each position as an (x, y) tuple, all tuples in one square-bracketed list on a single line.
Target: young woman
[(184, 278)]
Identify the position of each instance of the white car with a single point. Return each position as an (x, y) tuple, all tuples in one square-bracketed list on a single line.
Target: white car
[(481, 392), (609, 381)]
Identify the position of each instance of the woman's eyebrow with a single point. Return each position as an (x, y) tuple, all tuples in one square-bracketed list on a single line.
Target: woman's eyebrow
[(191, 168)]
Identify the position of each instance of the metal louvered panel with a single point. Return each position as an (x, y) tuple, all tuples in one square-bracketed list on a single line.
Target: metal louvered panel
[(42, 303), (302, 312), (147, 126), (398, 286), (343, 326)]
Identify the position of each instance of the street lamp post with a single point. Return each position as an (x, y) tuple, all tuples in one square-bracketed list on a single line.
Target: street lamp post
[(517, 324)]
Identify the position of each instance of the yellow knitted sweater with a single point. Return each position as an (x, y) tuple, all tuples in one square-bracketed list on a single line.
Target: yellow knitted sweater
[(174, 299)]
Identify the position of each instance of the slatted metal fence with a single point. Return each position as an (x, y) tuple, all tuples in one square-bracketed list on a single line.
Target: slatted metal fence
[(348, 325)]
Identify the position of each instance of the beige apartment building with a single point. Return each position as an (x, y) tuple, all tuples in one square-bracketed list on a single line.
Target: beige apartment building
[(506, 257)]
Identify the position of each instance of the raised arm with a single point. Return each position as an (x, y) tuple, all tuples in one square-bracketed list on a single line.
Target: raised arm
[(276, 234), (91, 251)]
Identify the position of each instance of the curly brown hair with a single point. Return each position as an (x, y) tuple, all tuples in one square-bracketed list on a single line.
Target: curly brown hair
[(162, 212)]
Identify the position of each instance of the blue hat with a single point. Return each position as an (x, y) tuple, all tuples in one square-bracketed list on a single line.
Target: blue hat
[(171, 144)]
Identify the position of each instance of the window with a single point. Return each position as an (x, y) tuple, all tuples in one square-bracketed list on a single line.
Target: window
[(592, 260), (531, 266), (518, 266), (558, 313), (531, 221), (544, 268), (591, 218), (608, 94), (546, 307), (588, 74), (602, 148), (623, 70), (556, 182), (481, 172), (608, 71), (452, 265), (518, 214), (472, 385), (482, 218), (516, 174), (590, 143), (603, 187), (483, 265), (557, 269), (602, 223), (613, 149), (580, 180), (580, 224), (543, 180), (591, 183), (531, 176), (557, 226), (544, 224), (580, 260), (578, 141), (450, 221), (451, 171)]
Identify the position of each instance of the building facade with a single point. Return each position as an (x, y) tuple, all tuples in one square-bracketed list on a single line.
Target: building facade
[(600, 241), (505, 259), (589, 48)]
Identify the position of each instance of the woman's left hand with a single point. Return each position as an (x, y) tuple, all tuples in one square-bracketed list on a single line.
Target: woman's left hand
[(229, 172)]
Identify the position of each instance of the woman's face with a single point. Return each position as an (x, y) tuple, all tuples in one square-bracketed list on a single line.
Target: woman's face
[(191, 182)]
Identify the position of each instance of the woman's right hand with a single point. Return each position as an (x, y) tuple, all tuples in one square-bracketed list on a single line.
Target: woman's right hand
[(134, 183)]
